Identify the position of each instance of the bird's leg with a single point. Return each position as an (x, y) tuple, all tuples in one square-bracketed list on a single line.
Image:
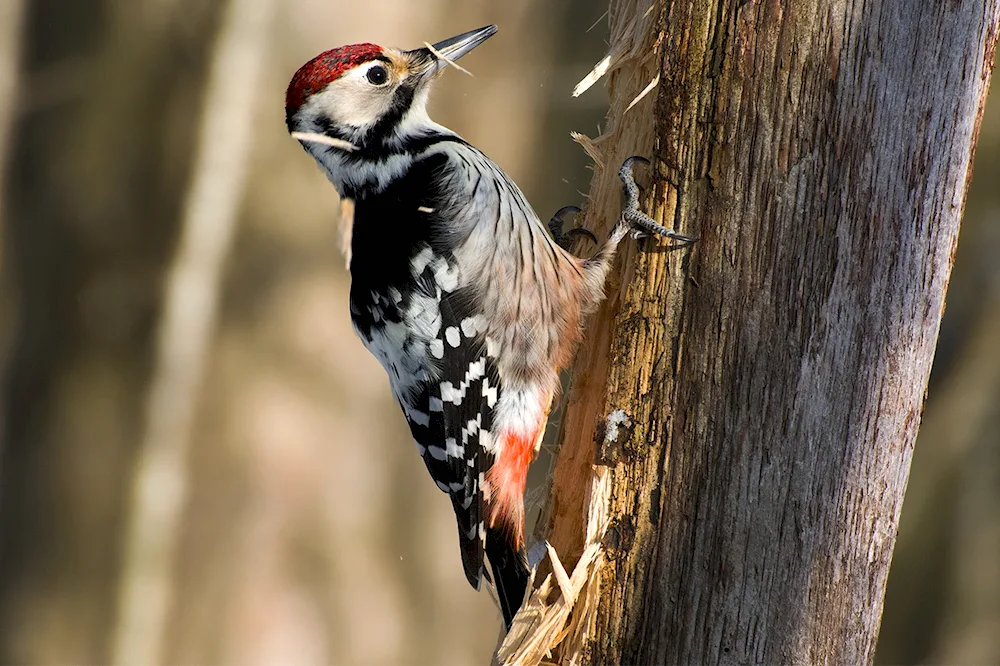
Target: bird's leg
[(564, 239), (631, 213)]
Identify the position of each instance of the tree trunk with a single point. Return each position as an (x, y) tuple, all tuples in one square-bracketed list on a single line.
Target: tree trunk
[(754, 400)]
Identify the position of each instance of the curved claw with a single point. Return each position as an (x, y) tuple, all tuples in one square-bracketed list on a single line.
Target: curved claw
[(627, 165), (557, 217), (633, 214), (573, 234), (564, 239), (556, 224), (628, 178)]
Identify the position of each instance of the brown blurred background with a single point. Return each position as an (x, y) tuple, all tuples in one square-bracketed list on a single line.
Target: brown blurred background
[(199, 463)]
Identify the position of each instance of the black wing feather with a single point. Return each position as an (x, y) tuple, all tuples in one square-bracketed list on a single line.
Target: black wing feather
[(458, 413), (450, 408)]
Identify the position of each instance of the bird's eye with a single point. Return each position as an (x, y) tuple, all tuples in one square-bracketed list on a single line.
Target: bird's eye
[(377, 75)]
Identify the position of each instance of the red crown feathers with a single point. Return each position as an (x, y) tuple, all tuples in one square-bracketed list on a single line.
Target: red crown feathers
[(324, 68)]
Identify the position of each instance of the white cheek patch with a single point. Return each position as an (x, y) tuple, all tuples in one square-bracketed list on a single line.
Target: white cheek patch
[(353, 100)]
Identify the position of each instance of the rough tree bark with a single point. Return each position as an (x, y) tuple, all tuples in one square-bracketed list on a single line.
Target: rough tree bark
[(771, 378)]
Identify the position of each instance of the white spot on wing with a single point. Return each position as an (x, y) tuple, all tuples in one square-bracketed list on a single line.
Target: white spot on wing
[(437, 452), (418, 417), (490, 393), (469, 327), (453, 449), (476, 370), (451, 333), (437, 348), (436, 405), (445, 275), (487, 442), (470, 429), (420, 260), (450, 394)]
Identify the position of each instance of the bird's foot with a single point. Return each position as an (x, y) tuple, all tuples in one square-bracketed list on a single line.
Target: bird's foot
[(643, 224)]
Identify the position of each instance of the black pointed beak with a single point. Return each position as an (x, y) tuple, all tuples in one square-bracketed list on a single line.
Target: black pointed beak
[(434, 58), (456, 47)]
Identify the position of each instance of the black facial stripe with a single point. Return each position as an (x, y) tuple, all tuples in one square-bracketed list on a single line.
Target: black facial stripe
[(414, 147), (327, 128), (375, 145), (407, 146), (401, 101)]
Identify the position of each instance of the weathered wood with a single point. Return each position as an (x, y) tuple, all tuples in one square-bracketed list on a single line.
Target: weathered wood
[(774, 374)]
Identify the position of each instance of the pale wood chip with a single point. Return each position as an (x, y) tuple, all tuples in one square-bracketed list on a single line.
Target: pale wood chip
[(312, 137), (446, 59), (645, 91)]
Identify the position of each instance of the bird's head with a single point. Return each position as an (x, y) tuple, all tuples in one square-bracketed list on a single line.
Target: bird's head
[(366, 98)]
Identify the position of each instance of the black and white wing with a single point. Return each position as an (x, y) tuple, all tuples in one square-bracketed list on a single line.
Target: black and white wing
[(451, 416), (411, 306)]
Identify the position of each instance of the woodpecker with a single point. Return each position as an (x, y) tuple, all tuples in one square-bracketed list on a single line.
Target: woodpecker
[(465, 297)]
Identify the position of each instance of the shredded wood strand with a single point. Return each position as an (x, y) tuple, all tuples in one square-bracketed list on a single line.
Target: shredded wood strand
[(599, 19), (645, 91), (346, 229), (599, 70), (312, 137), (589, 146), (446, 59), (548, 617)]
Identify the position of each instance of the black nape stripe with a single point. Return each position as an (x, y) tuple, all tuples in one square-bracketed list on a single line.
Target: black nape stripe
[(379, 142)]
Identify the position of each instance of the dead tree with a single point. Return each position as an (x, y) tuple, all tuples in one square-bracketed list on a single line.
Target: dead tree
[(742, 414)]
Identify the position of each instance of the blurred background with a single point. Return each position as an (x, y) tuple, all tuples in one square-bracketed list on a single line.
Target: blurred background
[(199, 463)]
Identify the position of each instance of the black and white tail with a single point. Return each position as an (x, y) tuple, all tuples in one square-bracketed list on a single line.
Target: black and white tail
[(510, 573)]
